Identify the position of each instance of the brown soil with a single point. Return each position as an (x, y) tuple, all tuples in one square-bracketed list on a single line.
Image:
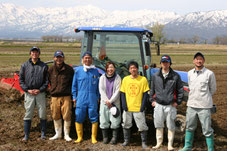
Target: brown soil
[(11, 127)]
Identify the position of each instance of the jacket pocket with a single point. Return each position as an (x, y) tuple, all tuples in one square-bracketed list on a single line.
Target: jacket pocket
[(171, 84), (204, 86), (94, 80), (173, 113)]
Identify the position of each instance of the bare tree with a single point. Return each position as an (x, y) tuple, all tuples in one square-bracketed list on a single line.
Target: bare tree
[(52, 38), (223, 40), (217, 40), (182, 41), (158, 32), (195, 39)]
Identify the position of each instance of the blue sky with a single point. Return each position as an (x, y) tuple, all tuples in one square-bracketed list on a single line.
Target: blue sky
[(178, 6)]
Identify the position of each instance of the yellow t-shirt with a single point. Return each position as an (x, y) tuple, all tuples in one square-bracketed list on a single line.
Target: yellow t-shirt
[(134, 89)]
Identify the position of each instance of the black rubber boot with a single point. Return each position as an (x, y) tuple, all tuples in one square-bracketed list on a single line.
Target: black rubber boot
[(127, 135), (105, 136), (144, 139), (27, 126), (43, 129), (114, 137)]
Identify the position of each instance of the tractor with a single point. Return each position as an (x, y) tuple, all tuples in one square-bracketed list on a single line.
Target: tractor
[(121, 45)]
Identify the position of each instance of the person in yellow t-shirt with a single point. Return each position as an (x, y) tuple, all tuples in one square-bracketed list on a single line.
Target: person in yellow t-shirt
[(134, 91)]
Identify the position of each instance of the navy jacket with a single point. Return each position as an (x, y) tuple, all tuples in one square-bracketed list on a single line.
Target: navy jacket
[(164, 90), (34, 76)]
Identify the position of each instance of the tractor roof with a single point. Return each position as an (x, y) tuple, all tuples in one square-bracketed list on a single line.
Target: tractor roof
[(113, 29)]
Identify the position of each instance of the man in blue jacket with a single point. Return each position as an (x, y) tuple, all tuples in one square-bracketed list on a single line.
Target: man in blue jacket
[(34, 81), (167, 90), (86, 95)]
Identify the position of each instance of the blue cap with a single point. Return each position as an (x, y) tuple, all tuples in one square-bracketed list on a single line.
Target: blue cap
[(35, 49), (166, 58), (58, 53), (87, 53)]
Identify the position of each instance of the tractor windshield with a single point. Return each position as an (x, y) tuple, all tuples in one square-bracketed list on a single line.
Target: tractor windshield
[(118, 47)]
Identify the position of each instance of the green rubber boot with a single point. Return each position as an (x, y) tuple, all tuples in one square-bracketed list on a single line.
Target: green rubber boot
[(210, 142), (189, 136)]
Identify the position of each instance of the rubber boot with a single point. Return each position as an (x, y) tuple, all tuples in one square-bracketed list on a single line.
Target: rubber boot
[(58, 130), (79, 132), (210, 142), (27, 126), (105, 136), (114, 137), (144, 139), (94, 133), (170, 139), (159, 138), (67, 125), (43, 128), (189, 136), (127, 135)]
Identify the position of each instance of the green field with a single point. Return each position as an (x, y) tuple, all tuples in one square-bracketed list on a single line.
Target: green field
[(13, 54)]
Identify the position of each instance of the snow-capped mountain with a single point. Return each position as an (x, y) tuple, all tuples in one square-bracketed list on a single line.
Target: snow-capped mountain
[(19, 22), (206, 25)]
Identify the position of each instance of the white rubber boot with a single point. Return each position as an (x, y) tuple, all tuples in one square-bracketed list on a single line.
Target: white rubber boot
[(58, 129), (159, 138), (170, 139), (67, 130)]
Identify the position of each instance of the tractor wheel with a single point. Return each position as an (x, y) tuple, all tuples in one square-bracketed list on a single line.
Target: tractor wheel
[(180, 123)]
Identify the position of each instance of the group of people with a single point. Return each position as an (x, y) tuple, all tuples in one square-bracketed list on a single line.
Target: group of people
[(87, 89)]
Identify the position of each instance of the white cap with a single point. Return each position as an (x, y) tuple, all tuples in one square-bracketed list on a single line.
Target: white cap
[(114, 111)]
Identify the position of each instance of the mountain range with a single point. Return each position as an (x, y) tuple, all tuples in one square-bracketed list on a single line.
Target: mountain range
[(19, 22)]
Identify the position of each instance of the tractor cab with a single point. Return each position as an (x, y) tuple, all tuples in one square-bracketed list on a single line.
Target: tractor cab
[(119, 45)]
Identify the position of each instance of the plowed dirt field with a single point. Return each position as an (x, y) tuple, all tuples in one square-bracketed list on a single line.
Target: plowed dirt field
[(11, 126)]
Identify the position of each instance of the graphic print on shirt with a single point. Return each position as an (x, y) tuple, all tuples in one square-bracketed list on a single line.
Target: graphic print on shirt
[(133, 89)]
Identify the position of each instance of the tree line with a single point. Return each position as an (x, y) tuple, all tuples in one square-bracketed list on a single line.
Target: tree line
[(158, 36), (56, 38)]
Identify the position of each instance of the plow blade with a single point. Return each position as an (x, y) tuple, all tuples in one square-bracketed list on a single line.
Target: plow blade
[(10, 88)]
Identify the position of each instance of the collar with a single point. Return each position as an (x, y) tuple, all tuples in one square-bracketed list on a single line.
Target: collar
[(30, 60), (110, 77), (61, 68), (86, 68), (200, 71), (169, 74), (138, 76)]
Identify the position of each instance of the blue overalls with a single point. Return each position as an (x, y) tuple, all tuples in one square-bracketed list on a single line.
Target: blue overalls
[(85, 91)]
